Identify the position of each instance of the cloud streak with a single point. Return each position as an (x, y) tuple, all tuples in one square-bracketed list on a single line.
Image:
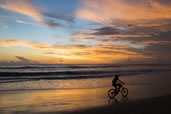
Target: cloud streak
[(24, 22), (27, 8)]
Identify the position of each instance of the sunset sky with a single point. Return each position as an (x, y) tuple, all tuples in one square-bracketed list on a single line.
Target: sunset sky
[(85, 31)]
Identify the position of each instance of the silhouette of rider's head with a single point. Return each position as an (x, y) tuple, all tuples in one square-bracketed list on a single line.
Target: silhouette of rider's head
[(116, 76)]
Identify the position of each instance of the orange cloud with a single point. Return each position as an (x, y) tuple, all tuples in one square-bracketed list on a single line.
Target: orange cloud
[(23, 7), (155, 42), (70, 54), (108, 11)]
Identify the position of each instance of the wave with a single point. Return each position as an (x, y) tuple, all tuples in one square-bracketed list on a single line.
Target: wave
[(9, 74), (23, 67), (8, 77), (68, 66), (37, 78), (77, 66)]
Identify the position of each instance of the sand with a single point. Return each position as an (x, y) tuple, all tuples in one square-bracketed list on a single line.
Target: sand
[(148, 94), (157, 105)]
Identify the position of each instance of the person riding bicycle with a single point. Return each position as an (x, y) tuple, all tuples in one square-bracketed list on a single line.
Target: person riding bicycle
[(118, 87), (117, 83)]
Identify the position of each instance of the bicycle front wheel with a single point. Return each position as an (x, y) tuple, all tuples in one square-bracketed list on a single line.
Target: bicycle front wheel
[(111, 93), (124, 92)]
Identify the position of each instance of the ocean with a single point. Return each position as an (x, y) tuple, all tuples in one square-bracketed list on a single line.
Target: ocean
[(53, 76)]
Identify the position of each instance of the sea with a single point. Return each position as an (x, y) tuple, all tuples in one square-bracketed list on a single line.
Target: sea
[(52, 76)]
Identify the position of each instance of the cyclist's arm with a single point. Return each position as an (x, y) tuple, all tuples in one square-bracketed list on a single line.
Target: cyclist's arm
[(121, 81)]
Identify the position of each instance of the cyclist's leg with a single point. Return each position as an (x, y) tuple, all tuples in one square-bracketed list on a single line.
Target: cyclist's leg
[(115, 87), (119, 86)]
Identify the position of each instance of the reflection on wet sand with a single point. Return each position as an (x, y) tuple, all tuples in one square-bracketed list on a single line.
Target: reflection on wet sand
[(52, 100), (116, 101)]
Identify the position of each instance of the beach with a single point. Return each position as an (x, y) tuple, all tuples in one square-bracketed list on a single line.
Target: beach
[(149, 92), (157, 105)]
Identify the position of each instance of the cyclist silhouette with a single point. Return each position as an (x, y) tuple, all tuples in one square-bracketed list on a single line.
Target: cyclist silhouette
[(117, 83), (118, 87)]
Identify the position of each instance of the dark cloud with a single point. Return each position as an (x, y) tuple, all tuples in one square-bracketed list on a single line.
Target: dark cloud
[(61, 61), (112, 52), (150, 26), (160, 53), (23, 60), (164, 1), (106, 31), (154, 30), (79, 46), (51, 23), (159, 49), (160, 38), (54, 20), (58, 17)]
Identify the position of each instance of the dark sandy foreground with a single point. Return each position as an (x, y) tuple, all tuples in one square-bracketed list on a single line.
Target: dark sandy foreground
[(158, 105)]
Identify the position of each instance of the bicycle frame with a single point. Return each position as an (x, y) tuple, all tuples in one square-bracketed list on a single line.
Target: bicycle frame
[(122, 86), (113, 92)]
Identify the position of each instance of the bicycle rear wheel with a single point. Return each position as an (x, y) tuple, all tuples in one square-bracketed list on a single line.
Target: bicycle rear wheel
[(111, 93), (124, 92)]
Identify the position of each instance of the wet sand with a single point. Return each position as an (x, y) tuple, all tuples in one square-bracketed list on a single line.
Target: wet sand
[(155, 105)]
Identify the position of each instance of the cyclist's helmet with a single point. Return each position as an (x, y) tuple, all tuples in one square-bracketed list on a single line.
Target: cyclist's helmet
[(116, 76)]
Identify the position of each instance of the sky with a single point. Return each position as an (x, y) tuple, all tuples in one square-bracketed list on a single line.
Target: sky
[(85, 31)]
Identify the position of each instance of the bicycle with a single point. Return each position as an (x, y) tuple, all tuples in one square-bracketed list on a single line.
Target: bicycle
[(113, 92)]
